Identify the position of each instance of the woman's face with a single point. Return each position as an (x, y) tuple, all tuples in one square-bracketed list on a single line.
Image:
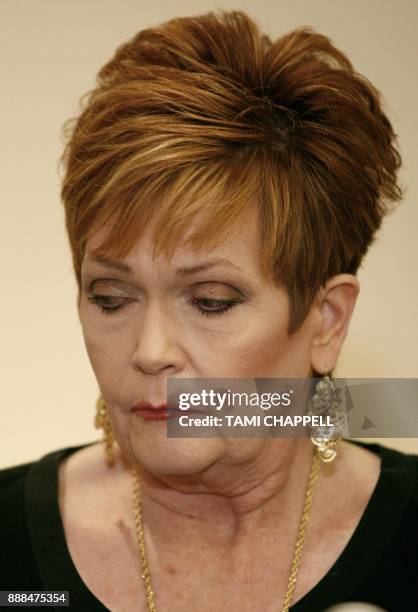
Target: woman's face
[(165, 324)]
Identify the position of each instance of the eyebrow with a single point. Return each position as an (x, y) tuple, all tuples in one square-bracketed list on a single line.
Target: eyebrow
[(184, 271)]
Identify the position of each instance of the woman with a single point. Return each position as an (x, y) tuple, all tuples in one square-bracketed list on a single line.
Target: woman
[(220, 192)]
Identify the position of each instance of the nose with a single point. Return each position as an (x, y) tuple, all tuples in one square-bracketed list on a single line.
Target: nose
[(156, 348)]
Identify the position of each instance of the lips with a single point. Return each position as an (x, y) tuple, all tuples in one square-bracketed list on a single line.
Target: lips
[(161, 412), (143, 405), (154, 412), (154, 415)]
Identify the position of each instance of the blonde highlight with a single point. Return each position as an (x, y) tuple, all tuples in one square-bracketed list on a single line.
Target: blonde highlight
[(207, 116)]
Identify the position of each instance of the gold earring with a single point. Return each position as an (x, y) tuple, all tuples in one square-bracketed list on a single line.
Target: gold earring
[(326, 448), (101, 421), (326, 401)]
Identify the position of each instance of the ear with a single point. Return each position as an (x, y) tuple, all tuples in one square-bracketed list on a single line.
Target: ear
[(334, 305)]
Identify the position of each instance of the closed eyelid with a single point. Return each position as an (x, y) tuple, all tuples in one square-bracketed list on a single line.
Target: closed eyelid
[(238, 288)]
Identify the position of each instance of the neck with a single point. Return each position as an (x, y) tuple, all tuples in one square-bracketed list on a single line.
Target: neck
[(228, 504)]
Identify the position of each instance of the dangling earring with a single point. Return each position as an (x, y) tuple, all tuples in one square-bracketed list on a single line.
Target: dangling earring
[(326, 401), (101, 421)]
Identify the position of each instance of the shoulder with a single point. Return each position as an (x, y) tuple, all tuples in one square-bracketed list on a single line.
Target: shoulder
[(386, 482), (11, 475), (398, 469), (18, 482), (403, 468), (17, 562), (28, 493), (389, 457), (394, 460), (12, 491), (90, 491), (393, 508), (391, 529), (379, 561)]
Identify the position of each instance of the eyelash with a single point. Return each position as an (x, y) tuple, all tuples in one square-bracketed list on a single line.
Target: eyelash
[(228, 304)]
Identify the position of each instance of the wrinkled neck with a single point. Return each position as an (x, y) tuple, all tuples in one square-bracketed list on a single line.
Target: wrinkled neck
[(226, 503)]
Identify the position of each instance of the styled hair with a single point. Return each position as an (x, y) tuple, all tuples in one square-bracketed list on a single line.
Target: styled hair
[(208, 116)]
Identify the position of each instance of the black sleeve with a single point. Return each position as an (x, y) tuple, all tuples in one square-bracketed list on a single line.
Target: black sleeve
[(393, 583), (18, 568)]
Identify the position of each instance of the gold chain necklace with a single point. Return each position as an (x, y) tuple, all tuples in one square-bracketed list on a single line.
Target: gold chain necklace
[(144, 568)]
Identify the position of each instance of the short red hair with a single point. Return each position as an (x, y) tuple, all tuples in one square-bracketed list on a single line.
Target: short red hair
[(208, 115)]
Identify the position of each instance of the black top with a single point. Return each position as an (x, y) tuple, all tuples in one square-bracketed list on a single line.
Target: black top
[(379, 564)]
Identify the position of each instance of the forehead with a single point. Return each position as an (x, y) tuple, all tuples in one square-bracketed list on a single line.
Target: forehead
[(241, 244)]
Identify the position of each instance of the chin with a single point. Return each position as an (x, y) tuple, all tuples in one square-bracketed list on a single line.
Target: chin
[(174, 456)]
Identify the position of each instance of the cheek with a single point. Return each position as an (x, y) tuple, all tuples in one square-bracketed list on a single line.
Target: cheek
[(265, 351), (109, 352), (265, 356)]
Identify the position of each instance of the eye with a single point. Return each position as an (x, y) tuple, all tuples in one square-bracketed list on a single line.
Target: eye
[(102, 301), (209, 312)]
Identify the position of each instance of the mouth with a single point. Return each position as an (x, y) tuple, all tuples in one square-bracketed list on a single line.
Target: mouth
[(159, 412), (162, 415), (153, 415)]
